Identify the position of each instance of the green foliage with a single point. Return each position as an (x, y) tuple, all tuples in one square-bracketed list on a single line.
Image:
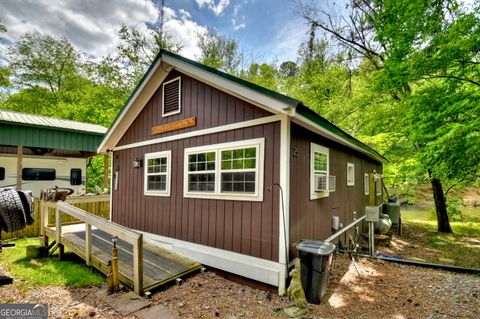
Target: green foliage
[(46, 271), (95, 173), (454, 213), (219, 52)]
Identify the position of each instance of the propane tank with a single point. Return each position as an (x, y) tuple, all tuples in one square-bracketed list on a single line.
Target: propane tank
[(383, 225)]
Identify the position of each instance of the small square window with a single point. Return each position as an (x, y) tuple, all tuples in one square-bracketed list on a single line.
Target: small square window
[(366, 183), (2, 173), (350, 174), (157, 173)]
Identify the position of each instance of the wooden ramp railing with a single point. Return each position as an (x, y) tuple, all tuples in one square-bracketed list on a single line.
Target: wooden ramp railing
[(90, 220)]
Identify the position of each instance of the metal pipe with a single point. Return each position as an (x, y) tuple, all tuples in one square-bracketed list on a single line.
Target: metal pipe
[(458, 269), (344, 229)]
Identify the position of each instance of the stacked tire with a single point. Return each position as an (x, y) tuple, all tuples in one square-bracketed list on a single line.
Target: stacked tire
[(15, 209)]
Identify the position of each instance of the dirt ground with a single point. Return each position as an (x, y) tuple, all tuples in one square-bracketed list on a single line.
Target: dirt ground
[(382, 290)]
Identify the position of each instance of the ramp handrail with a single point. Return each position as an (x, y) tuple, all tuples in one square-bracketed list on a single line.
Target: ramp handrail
[(123, 233)]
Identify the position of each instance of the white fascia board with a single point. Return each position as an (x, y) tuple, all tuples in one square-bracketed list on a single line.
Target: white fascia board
[(106, 142), (261, 100), (306, 123), (255, 268)]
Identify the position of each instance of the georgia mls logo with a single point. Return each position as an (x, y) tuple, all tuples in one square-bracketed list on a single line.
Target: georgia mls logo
[(39, 310), (23, 311)]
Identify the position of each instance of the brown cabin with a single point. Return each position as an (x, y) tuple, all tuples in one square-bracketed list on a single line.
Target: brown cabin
[(201, 160)]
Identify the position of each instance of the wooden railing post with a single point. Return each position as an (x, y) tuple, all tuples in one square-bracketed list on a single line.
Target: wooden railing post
[(58, 224), (138, 265), (42, 217), (88, 243)]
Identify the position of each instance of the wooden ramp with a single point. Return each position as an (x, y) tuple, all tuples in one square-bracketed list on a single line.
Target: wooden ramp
[(142, 266), (159, 265)]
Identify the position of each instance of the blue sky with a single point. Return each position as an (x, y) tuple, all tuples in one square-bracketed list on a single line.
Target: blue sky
[(265, 29)]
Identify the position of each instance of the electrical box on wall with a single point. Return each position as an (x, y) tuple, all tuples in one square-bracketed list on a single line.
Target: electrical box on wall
[(372, 213), (335, 223)]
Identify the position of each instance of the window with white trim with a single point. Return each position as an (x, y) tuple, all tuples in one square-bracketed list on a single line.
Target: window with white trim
[(319, 171), (379, 184), (366, 183), (225, 171), (157, 173), (171, 98), (350, 174)]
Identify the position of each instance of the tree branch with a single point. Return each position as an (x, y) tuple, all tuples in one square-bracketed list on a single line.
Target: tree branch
[(446, 192)]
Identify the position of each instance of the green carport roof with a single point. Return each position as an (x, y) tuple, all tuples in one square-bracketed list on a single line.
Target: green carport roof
[(47, 132)]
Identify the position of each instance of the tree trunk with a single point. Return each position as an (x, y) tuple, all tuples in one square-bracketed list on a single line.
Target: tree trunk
[(440, 206)]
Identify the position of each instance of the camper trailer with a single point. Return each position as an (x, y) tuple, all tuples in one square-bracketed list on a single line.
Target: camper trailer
[(39, 152), (40, 172)]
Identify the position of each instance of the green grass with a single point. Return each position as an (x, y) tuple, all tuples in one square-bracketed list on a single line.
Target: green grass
[(463, 246), (46, 271)]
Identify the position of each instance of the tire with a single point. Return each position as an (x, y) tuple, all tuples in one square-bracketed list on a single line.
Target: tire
[(27, 203), (12, 215)]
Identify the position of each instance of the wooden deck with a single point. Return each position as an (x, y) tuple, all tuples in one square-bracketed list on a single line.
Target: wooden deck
[(159, 265)]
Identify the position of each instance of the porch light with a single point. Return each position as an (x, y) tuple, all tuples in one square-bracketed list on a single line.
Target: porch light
[(137, 163)]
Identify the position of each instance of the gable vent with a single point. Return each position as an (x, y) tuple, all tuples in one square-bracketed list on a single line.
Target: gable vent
[(171, 97)]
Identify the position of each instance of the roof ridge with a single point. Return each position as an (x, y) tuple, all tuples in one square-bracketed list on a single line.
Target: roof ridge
[(49, 117)]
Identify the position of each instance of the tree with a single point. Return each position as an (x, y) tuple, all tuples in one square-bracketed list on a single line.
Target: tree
[(219, 52), (420, 48), (137, 48), (4, 71)]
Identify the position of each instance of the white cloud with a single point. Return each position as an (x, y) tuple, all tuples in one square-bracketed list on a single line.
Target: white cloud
[(216, 7), (238, 26), (236, 8), (288, 39), (92, 26)]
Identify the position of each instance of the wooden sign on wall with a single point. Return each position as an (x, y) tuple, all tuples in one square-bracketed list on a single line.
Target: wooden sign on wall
[(177, 125)]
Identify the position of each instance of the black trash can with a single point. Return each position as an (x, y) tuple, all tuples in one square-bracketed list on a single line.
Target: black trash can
[(316, 258)]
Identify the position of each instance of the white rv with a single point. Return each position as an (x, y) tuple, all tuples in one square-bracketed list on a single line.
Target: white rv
[(41, 172)]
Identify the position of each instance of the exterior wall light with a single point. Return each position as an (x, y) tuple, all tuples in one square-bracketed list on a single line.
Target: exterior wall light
[(137, 163)]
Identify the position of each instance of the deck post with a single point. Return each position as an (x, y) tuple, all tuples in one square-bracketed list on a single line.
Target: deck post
[(42, 217), (58, 224), (138, 265), (88, 243)]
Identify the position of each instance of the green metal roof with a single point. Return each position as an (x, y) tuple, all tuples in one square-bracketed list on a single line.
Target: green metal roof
[(44, 121), (47, 132), (323, 122)]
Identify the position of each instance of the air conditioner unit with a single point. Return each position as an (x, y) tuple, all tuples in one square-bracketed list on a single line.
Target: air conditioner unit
[(321, 184)]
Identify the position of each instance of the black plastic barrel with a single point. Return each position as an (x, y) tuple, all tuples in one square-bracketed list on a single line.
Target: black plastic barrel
[(316, 258)]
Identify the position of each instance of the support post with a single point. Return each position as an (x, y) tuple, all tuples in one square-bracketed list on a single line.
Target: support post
[(105, 171), (138, 265), (58, 224), (88, 244), (19, 166), (371, 239), (115, 279)]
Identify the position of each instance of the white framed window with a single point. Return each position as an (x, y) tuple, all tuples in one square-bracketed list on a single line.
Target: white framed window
[(319, 171), (172, 97), (379, 184), (225, 171), (366, 183), (332, 181), (157, 173), (350, 174)]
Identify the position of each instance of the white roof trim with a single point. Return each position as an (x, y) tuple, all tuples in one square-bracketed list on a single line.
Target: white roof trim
[(259, 99), (308, 124), (103, 146)]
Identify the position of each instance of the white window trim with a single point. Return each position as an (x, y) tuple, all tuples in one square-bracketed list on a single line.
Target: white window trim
[(257, 196), (179, 79), (166, 192), (352, 182), (376, 178), (319, 149), (366, 183)]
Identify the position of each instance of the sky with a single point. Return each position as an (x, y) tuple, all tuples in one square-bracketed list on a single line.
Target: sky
[(265, 29)]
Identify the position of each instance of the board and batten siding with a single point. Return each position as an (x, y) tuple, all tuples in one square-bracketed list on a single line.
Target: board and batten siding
[(245, 227), (210, 106), (311, 219)]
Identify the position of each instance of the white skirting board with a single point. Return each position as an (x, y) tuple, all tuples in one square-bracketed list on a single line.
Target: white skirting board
[(262, 270)]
